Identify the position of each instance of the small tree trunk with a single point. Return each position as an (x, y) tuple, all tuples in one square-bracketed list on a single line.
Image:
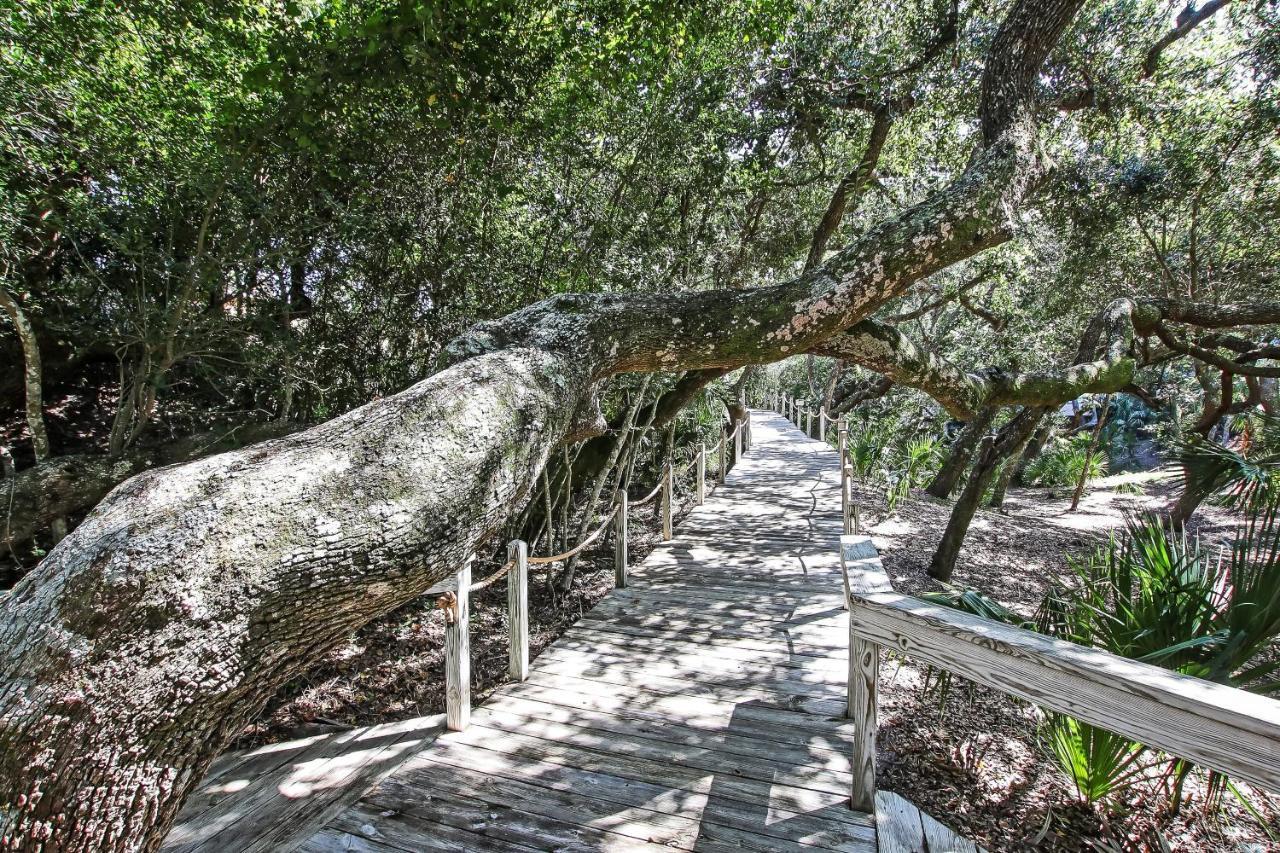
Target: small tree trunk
[(1088, 458), (32, 374), (1188, 501), (1013, 464), (944, 482), (993, 451), (597, 485), (1034, 448), (1001, 487), (33, 381)]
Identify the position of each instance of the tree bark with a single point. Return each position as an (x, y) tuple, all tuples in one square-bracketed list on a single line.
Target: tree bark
[(944, 482), (1088, 457), (67, 486), (33, 380), (994, 451), (33, 389), (171, 615)]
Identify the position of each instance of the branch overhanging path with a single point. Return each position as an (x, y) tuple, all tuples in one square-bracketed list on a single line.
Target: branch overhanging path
[(151, 635)]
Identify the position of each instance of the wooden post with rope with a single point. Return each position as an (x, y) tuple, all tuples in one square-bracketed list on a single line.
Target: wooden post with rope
[(668, 499), (845, 471), (518, 610), (700, 484), (722, 468), (620, 542), (457, 652)]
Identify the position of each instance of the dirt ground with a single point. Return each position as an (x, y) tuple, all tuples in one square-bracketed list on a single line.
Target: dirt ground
[(975, 761)]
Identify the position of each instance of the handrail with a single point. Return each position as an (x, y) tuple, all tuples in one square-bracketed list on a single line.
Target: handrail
[(455, 593), (656, 489), (1219, 727), (537, 561)]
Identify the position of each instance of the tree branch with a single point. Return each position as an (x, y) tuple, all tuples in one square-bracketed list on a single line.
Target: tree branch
[(882, 348), (1188, 20)]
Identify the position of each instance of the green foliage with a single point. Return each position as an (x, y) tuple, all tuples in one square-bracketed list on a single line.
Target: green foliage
[(867, 447), (1155, 595), (910, 466), (1099, 763), (1244, 476), (1062, 461), (977, 603)]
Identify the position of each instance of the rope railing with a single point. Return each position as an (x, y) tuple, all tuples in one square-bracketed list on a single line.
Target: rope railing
[(456, 601), (577, 549), (656, 491)]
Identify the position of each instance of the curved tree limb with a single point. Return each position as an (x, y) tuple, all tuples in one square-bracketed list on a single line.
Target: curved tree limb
[(880, 347), (885, 349), (153, 632), (850, 393), (1188, 20)]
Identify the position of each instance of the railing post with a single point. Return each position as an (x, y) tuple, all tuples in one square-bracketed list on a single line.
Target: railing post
[(822, 425), (864, 670), (737, 442), (722, 467), (620, 542), (746, 437), (808, 422), (844, 481), (701, 484), (518, 610), (668, 495), (457, 653)]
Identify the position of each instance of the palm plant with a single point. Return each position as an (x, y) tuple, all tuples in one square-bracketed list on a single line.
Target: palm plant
[(1242, 476), (910, 468), (1157, 596), (1154, 594), (866, 447), (1099, 763), (1062, 462)]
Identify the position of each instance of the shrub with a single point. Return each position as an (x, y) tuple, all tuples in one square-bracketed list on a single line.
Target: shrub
[(1061, 462)]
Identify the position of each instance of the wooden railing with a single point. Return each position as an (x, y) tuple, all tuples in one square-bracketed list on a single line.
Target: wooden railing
[(1215, 726), (1218, 727), (455, 592)]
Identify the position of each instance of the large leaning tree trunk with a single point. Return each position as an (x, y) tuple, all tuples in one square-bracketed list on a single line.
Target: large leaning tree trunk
[(72, 484), (151, 634)]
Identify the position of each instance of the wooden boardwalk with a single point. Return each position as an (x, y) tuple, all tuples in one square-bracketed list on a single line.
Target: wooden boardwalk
[(701, 708)]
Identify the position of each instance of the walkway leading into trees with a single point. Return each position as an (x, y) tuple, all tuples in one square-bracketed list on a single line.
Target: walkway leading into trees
[(700, 709)]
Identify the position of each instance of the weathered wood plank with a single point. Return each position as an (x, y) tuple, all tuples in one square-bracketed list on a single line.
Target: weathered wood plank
[(940, 839), (829, 828), (457, 653), (256, 808), (898, 827), (1219, 727), (702, 707), (518, 611), (825, 753)]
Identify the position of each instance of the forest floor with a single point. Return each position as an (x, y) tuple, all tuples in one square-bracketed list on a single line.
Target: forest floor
[(976, 761)]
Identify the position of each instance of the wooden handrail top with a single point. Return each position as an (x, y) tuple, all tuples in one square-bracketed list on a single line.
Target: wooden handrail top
[(1219, 727)]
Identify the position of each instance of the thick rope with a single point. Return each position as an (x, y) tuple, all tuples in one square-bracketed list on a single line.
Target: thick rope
[(534, 561)]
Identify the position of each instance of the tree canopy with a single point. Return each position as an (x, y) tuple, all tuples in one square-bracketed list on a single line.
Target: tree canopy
[(219, 217)]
